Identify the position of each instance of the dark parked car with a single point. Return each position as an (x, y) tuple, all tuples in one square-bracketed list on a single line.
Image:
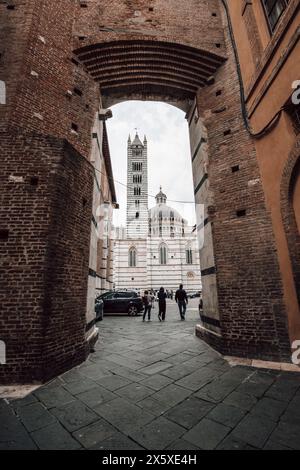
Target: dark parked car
[(193, 295), (122, 302)]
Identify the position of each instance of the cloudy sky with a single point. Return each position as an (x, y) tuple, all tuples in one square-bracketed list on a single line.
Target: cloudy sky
[(168, 153)]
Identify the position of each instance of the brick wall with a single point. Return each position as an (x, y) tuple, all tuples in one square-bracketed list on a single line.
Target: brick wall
[(45, 203), (253, 320), (46, 198)]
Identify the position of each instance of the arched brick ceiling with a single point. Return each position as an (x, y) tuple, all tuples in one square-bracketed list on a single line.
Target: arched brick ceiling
[(149, 67)]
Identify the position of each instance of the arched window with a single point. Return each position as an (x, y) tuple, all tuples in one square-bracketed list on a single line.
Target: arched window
[(189, 255), (132, 257), (163, 254), (137, 179)]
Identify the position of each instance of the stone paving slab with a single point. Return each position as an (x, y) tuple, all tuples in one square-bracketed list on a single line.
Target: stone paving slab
[(54, 397), (123, 361), (75, 388), (29, 400), (179, 371), (124, 415), (117, 442), (94, 433), (198, 379), (156, 382), (13, 435), (257, 384), (35, 416), (94, 372), (154, 386), (96, 396), (292, 412), (155, 368), (254, 430), (181, 444), (172, 394), (54, 437), (113, 382), (232, 443), (148, 359), (270, 408), (241, 400), (158, 434), (181, 357), (75, 415), (271, 445), (207, 434), (131, 375), (155, 407), (189, 412), (134, 392), (284, 388), (287, 434), (226, 414)]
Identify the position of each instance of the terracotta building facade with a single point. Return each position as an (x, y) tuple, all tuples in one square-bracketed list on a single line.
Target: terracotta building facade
[(268, 42), (230, 65)]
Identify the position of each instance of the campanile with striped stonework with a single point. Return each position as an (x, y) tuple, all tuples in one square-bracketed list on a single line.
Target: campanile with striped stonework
[(137, 188)]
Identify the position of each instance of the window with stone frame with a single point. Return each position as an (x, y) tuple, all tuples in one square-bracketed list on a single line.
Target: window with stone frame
[(137, 166), (163, 254), (132, 258), (274, 10), (189, 256), (137, 179)]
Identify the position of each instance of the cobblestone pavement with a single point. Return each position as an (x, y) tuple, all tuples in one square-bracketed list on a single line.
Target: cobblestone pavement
[(156, 386)]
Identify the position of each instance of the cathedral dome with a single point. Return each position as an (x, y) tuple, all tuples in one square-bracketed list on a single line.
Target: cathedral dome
[(163, 218), (165, 212)]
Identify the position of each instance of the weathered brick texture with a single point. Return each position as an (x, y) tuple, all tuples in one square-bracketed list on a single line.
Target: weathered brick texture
[(47, 182), (46, 189), (251, 306)]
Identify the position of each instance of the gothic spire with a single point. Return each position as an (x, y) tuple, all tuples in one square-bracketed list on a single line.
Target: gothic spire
[(137, 140)]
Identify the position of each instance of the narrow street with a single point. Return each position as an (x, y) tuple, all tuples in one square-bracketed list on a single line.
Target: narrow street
[(156, 386)]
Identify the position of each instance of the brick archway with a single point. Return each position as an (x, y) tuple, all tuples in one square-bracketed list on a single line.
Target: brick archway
[(143, 68), (184, 57), (148, 69)]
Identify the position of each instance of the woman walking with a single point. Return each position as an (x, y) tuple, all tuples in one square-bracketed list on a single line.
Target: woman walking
[(148, 305), (162, 304)]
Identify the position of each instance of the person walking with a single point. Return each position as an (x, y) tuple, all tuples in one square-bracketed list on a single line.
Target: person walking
[(162, 304), (148, 305), (152, 298), (182, 301)]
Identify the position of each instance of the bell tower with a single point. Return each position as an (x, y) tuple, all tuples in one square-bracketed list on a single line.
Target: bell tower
[(137, 188)]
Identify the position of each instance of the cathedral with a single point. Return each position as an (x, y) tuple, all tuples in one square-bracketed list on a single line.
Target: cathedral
[(157, 247)]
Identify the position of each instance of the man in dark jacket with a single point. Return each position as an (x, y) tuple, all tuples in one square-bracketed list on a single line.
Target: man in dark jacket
[(182, 301), (162, 304)]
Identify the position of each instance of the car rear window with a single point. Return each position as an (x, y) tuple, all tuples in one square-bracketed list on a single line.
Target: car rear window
[(124, 295), (108, 296)]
